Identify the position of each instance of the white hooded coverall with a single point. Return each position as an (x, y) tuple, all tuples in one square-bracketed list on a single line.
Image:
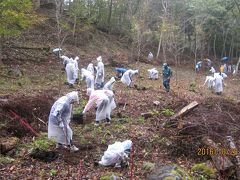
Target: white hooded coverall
[(59, 119), (104, 99), (127, 76)]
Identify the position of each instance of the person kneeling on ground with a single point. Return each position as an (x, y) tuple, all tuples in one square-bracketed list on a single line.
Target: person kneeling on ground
[(59, 120), (104, 99), (116, 154), (153, 73)]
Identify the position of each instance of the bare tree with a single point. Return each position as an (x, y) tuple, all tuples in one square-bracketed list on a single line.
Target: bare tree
[(61, 36)]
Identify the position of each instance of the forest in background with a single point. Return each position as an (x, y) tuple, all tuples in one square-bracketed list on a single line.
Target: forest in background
[(123, 32), (175, 28)]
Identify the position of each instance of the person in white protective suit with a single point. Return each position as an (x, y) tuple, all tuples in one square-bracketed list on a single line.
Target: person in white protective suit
[(88, 77), (210, 80), (71, 74), (116, 154), (75, 62), (99, 80), (71, 70), (218, 83), (66, 60), (229, 69), (90, 68), (59, 120), (221, 74), (104, 100), (127, 77), (212, 70), (109, 84), (150, 56), (153, 73), (225, 68), (57, 51)]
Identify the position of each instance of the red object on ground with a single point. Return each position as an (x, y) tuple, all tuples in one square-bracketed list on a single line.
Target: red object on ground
[(23, 122), (131, 161), (80, 169)]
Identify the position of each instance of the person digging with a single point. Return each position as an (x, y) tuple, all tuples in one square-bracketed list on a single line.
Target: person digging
[(59, 120), (104, 100)]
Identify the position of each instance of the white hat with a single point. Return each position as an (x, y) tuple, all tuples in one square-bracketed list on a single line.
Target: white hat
[(99, 58), (73, 96)]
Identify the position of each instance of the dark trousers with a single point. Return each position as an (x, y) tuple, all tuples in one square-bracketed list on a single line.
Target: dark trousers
[(166, 84)]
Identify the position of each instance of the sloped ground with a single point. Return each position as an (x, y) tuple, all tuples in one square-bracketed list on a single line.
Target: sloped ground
[(32, 80), (32, 99)]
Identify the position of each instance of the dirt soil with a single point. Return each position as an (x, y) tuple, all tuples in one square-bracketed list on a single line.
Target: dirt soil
[(31, 80), (215, 117)]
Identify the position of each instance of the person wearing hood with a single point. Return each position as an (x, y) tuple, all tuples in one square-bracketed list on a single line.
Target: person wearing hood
[(88, 77), (76, 69), (167, 74), (127, 77), (90, 68), (109, 84), (212, 70), (218, 83), (153, 73), (66, 60), (116, 154), (57, 52), (71, 74), (71, 71), (99, 80), (120, 72), (104, 100), (198, 66), (150, 56), (59, 120)]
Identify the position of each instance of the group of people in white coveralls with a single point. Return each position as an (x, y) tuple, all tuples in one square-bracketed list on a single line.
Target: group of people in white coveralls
[(102, 96)]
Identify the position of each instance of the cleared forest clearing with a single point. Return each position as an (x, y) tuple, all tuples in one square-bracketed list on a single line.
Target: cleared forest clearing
[(215, 117)]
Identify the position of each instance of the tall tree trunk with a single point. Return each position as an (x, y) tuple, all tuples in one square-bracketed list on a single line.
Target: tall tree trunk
[(1, 50), (214, 47), (224, 44), (230, 53), (139, 45), (109, 17), (237, 66), (164, 52), (195, 40), (237, 47), (57, 15), (159, 44), (208, 49), (74, 25), (36, 4)]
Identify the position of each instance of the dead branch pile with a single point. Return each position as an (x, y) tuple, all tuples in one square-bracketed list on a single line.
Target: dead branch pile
[(214, 118)]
